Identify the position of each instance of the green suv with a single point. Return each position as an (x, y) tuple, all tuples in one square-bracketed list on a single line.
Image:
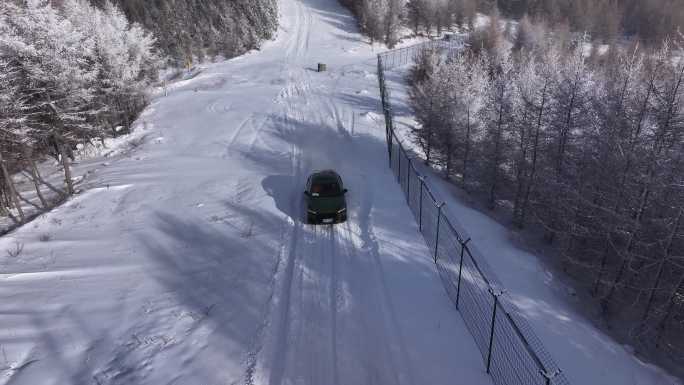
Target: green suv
[(325, 198)]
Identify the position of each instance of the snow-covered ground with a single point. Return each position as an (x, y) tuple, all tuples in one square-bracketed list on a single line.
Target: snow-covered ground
[(584, 353), (185, 261)]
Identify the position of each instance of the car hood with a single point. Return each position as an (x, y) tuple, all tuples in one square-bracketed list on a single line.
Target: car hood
[(326, 204)]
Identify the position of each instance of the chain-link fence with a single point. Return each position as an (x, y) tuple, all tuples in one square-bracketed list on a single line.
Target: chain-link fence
[(407, 55), (512, 353)]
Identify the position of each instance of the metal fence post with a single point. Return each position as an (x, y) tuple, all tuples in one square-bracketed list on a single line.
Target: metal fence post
[(439, 216), (408, 182), (420, 211), (399, 167), (491, 333), (460, 272), (549, 376), (391, 149)]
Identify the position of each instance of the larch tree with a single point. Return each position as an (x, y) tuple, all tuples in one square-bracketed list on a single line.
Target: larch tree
[(497, 118)]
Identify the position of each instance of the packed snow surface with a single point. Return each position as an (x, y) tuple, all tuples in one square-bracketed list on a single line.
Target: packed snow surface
[(185, 260)]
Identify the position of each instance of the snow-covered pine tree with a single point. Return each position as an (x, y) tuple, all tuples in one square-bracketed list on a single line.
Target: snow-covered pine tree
[(187, 30), (393, 19), (445, 85), (59, 70), (425, 101), (462, 82), (618, 103), (571, 118), (11, 119), (497, 119), (661, 146), (474, 86), (126, 55), (76, 65)]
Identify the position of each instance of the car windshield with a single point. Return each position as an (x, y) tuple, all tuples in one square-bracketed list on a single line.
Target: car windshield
[(325, 189)]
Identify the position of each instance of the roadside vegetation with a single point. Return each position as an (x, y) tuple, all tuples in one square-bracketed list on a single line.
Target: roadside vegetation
[(649, 22), (565, 114), (188, 31), (76, 72), (584, 146)]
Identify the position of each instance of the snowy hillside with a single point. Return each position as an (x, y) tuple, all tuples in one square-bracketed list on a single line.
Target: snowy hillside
[(542, 295), (186, 262)]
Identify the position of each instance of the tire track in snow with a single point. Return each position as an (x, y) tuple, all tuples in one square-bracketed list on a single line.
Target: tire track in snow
[(370, 244), (309, 23), (380, 364), (257, 344), (294, 43), (236, 134), (300, 324), (213, 107), (333, 304), (284, 305)]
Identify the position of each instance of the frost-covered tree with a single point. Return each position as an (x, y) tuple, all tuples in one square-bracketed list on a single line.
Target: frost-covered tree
[(11, 122), (189, 30), (59, 69), (426, 102), (372, 16), (125, 54), (462, 12), (534, 91), (571, 115), (530, 36), (497, 119), (589, 153), (71, 68), (445, 88), (472, 90), (393, 19), (460, 89), (416, 12)]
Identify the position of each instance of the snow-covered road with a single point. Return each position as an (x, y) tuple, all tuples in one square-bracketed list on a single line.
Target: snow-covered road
[(186, 262)]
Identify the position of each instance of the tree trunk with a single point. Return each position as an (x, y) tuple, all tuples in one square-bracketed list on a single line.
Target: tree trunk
[(630, 244), (449, 156), (623, 180), (661, 268), (34, 178), (11, 189), (658, 146), (43, 181), (522, 169), (671, 303), (535, 150), (27, 201), (497, 150), (466, 152), (67, 168)]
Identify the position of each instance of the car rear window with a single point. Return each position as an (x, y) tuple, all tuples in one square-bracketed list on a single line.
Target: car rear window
[(325, 189)]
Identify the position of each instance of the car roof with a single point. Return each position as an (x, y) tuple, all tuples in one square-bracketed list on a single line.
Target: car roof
[(325, 174)]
